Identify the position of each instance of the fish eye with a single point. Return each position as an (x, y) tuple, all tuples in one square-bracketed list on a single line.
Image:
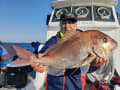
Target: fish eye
[(105, 40)]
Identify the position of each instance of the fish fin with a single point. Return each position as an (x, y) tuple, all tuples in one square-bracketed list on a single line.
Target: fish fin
[(84, 69), (19, 62), (23, 53), (90, 57)]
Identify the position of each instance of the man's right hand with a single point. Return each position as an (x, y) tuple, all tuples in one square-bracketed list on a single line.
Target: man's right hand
[(38, 67)]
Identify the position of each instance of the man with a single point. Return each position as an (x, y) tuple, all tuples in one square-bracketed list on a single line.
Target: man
[(64, 79)]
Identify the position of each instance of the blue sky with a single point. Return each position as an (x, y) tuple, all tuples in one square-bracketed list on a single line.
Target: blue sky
[(25, 20)]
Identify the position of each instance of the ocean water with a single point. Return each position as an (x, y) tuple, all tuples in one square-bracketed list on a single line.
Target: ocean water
[(27, 46)]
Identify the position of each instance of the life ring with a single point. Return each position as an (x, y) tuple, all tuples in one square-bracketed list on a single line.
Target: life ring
[(60, 12), (104, 13), (82, 12)]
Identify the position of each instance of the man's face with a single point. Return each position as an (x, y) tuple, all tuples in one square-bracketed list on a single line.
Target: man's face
[(68, 26)]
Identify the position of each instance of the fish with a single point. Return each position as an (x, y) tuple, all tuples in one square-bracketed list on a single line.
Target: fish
[(78, 50)]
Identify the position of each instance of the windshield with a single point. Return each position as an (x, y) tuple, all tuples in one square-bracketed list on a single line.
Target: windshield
[(84, 13)]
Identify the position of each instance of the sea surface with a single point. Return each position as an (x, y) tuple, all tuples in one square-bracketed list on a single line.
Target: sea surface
[(27, 46)]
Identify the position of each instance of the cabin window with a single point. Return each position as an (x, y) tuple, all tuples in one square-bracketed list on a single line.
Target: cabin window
[(59, 12), (102, 13), (83, 12)]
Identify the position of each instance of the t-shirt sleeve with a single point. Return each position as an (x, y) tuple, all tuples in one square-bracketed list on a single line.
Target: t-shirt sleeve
[(49, 43)]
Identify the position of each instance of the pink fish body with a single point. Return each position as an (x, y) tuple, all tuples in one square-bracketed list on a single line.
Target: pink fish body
[(78, 50)]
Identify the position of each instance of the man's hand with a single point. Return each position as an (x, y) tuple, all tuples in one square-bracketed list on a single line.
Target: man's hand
[(38, 67), (98, 62)]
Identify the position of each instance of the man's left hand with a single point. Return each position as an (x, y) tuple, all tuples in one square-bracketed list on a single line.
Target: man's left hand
[(98, 62)]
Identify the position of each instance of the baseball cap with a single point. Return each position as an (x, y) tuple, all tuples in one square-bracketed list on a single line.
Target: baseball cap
[(69, 16)]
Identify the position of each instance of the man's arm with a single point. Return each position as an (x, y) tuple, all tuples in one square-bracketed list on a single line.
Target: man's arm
[(39, 67)]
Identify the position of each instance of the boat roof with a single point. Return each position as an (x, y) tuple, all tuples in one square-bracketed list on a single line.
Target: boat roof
[(64, 3)]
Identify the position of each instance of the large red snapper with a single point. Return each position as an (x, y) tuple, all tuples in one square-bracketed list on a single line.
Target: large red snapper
[(78, 50)]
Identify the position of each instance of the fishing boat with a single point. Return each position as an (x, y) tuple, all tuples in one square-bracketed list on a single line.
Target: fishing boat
[(92, 15)]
